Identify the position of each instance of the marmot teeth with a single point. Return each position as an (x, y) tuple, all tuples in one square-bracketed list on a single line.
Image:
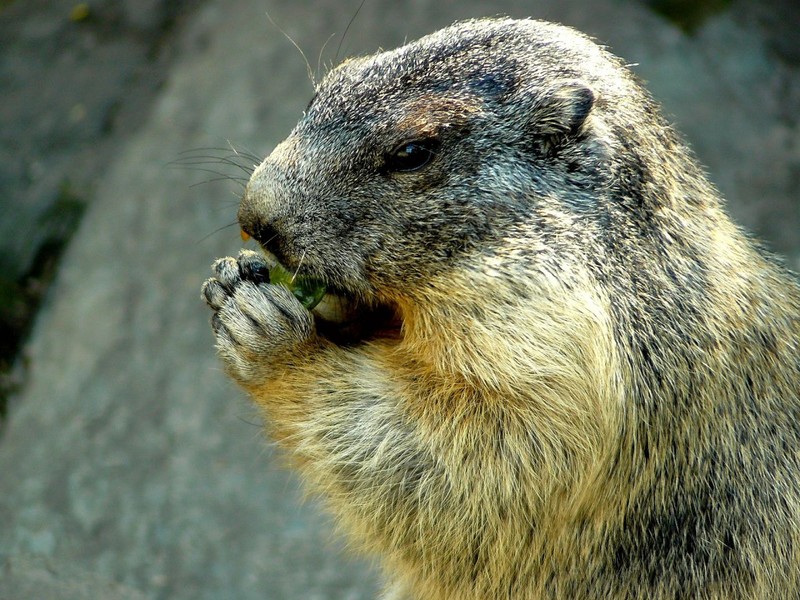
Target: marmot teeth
[(335, 309)]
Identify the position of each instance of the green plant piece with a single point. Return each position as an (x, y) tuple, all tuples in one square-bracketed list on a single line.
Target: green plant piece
[(307, 290)]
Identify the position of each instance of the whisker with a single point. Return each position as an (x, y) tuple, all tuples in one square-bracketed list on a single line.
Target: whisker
[(218, 230), (231, 152), (210, 160), (215, 172), (245, 153), (240, 182), (299, 264), (227, 155), (299, 49), (322, 50), (346, 29)]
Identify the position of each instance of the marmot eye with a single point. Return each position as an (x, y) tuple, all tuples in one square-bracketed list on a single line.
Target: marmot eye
[(411, 156)]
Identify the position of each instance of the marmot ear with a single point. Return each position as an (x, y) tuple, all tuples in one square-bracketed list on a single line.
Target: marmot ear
[(562, 109)]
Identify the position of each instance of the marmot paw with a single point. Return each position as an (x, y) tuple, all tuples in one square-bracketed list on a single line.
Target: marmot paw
[(257, 325)]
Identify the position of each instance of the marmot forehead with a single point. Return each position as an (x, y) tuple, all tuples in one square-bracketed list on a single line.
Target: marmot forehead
[(487, 58)]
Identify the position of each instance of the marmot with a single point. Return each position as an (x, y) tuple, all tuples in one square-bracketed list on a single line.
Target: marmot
[(563, 373)]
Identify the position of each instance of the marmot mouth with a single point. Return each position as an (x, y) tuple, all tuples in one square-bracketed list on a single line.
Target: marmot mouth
[(354, 322), (340, 315)]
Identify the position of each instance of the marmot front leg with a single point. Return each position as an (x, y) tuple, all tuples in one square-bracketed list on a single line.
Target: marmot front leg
[(258, 326)]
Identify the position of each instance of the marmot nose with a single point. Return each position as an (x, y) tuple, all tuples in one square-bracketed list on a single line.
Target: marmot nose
[(249, 221), (264, 233), (257, 219), (265, 210), (258, 205), (262, 216)]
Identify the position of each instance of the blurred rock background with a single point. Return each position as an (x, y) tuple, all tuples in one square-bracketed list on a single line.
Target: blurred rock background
[(129, 466)]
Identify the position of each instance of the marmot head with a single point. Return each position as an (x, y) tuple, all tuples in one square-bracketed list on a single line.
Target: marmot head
[(417, 160)]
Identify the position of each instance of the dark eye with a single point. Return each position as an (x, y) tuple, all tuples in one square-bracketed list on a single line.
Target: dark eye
[(411, 156)]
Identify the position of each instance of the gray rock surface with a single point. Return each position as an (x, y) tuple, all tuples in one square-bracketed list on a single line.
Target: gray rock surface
[(128, 460), (66, 84), (38, 578)]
